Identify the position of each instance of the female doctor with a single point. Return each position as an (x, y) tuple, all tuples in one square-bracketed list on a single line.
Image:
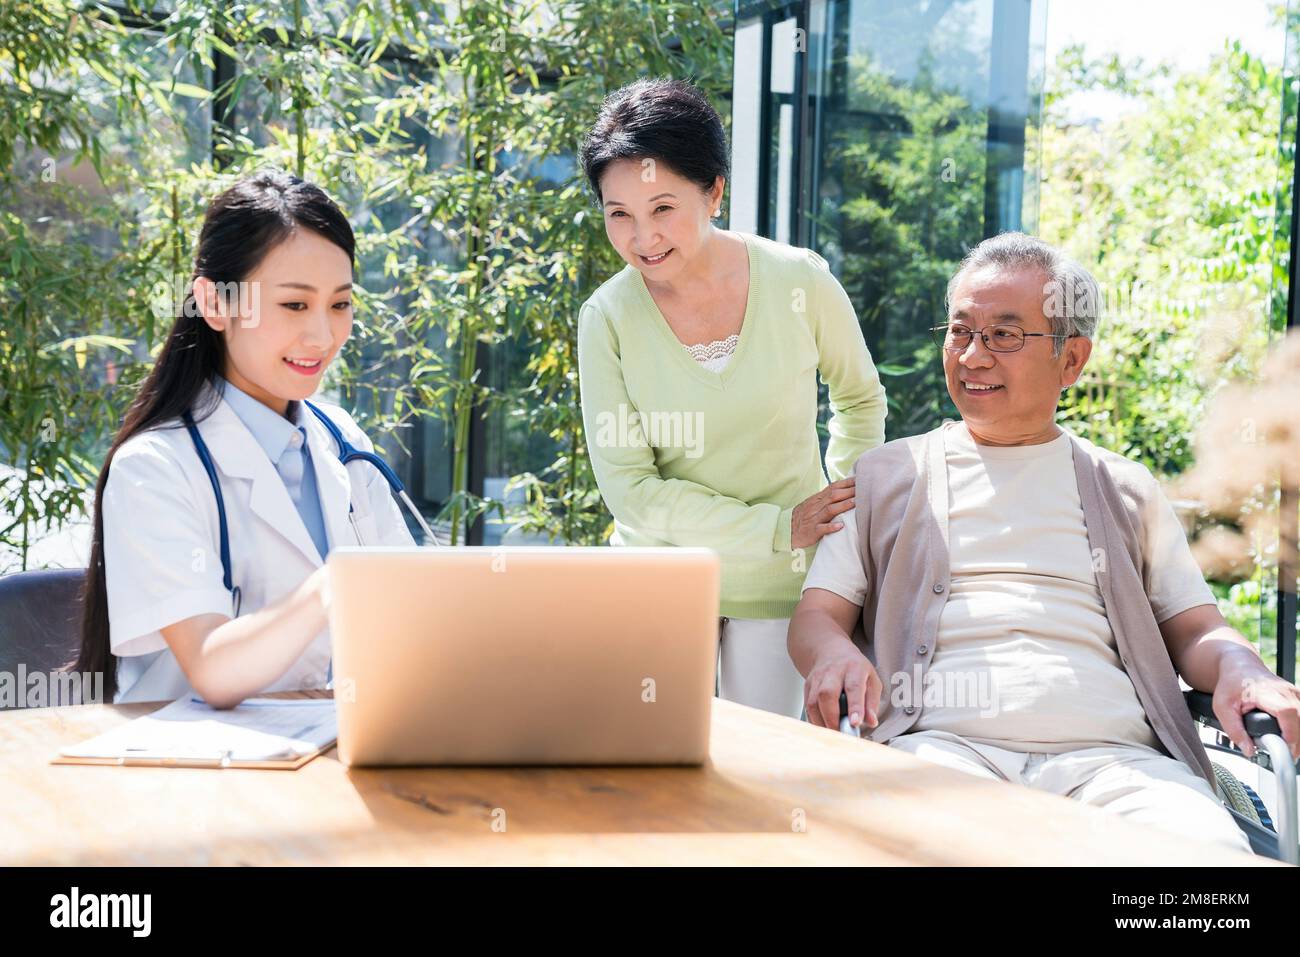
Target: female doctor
[(270, 308)]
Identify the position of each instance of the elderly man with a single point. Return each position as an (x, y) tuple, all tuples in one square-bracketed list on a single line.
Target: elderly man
[(1023, 596)]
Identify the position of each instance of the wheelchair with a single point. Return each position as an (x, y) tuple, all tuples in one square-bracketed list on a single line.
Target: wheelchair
[(1278, 840)]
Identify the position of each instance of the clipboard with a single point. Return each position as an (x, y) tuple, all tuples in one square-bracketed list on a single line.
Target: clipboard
[(261, 733), (287, 764)]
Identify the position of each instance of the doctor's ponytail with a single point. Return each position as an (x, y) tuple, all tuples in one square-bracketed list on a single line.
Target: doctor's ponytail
[(241, 226)]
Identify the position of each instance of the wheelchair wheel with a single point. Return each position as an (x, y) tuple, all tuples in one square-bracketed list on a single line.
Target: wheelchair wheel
[(1240, 796)]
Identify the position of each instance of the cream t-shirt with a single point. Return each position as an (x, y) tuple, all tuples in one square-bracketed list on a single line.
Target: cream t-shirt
[(1025, 658)]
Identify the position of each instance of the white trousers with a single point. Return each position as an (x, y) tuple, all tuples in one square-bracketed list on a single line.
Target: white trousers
[(1139, 783), (754, 667)]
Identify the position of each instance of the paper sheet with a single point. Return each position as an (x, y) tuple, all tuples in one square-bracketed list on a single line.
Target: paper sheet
[(259, 729)]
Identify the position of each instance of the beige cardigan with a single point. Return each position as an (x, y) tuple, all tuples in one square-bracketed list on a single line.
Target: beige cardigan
[(901, 507)]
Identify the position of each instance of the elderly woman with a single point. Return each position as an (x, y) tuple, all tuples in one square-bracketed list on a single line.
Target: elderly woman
[(698, 367)]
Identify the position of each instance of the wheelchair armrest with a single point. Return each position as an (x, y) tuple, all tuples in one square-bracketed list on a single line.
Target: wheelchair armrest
[(1258, 723)]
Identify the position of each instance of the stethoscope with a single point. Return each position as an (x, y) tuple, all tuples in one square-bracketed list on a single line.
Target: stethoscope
[(347, 453)]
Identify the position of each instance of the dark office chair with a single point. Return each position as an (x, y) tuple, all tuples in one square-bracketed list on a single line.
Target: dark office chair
[(40, 620)]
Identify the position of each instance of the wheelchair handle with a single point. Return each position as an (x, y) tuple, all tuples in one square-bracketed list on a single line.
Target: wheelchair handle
[(845, 726), (1258, 723)]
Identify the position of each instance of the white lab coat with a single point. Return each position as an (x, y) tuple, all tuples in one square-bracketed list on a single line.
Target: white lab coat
[(161, 539)]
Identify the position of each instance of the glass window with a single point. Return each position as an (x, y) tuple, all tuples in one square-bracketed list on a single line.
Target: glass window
[(920, 114)]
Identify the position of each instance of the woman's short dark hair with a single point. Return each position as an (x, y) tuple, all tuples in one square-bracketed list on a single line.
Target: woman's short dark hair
[(669, 121)]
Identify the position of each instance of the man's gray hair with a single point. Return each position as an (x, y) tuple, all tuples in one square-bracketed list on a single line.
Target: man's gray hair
[(1071, 297)]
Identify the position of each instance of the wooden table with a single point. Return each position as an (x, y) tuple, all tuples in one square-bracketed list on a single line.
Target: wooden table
[(775, 791)]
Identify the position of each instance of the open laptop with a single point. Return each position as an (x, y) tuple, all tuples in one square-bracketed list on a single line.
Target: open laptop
[(519, 655)]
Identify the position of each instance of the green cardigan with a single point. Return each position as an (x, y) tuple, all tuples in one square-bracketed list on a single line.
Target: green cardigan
[(685, 456)]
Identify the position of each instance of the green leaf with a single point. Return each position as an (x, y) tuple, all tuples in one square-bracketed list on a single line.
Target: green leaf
[(184, 89)]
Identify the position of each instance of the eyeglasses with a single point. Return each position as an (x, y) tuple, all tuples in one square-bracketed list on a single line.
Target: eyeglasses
[(999, 338)]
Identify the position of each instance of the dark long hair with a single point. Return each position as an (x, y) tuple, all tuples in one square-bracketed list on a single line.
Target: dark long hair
[(241, 226)]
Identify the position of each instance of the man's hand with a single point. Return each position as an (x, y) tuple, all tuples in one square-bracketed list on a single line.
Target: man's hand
[(1211, 656), (822, 648), (848, 670), (1245, 686)]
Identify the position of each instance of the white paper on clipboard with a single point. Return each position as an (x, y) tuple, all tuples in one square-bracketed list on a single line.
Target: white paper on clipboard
[(188, 729)]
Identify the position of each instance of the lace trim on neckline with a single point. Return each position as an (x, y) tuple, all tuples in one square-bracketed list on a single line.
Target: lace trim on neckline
[(717, 349)]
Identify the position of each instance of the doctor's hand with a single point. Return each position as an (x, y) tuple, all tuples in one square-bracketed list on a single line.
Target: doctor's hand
[(817, 515), (229, 659), (842, 669), (318, 583)]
